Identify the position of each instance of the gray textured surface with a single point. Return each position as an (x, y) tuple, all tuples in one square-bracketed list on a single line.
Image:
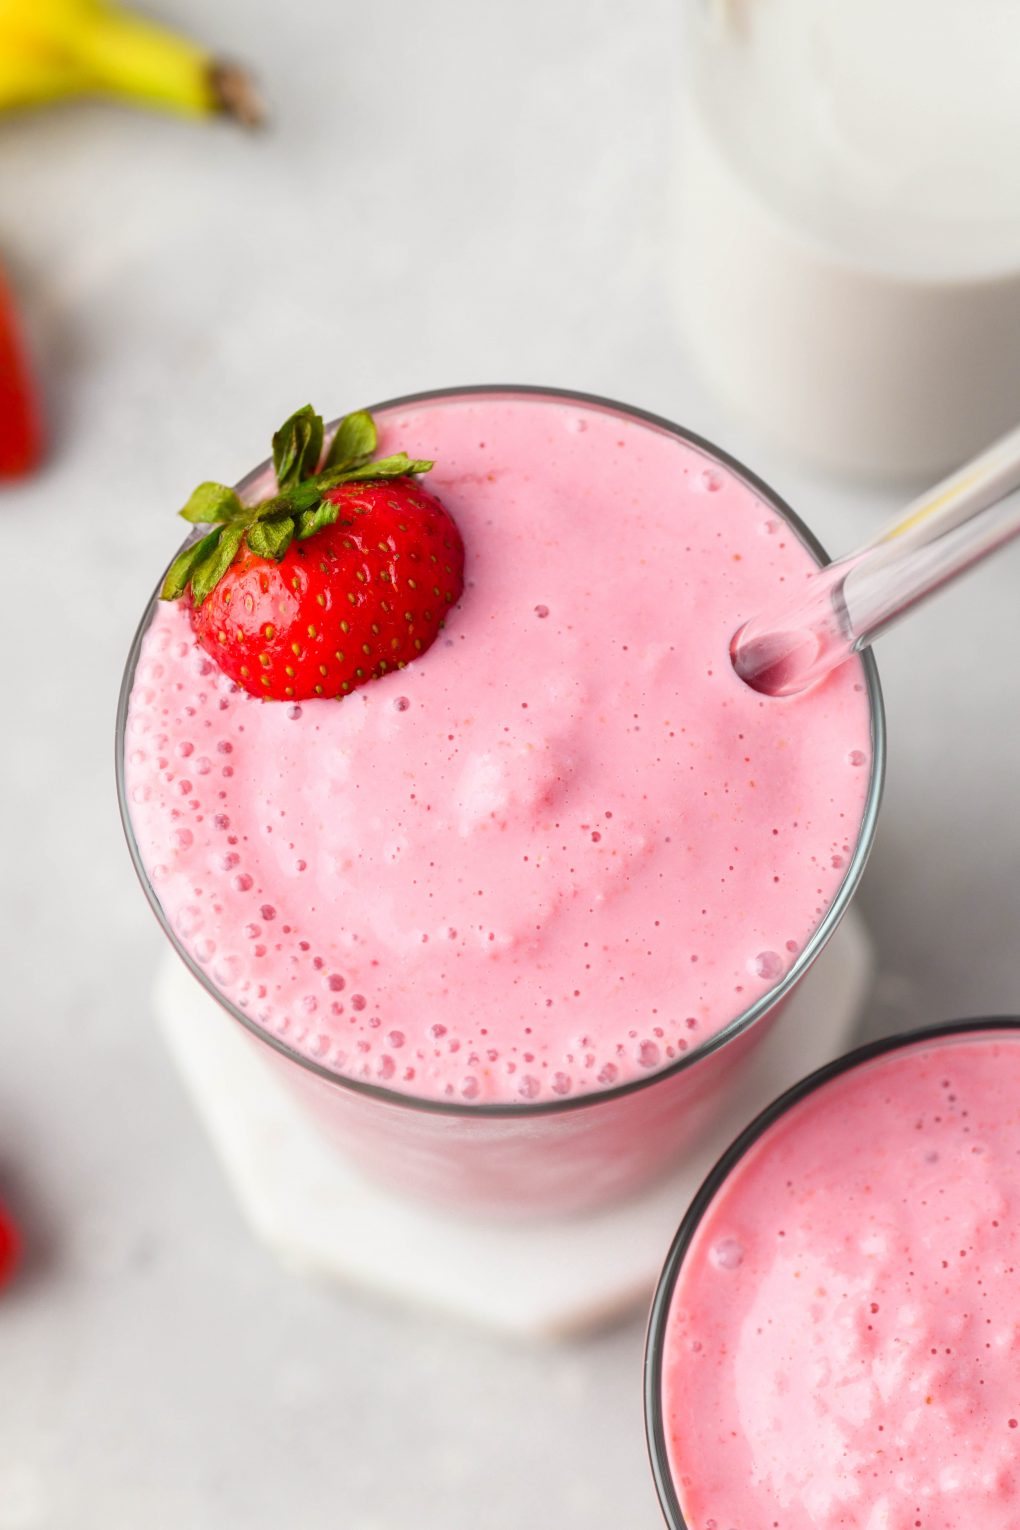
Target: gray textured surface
[(451, 193)]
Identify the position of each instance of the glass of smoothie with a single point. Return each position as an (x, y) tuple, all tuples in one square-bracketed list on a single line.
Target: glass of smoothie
[(509, 919), (834, 1339)]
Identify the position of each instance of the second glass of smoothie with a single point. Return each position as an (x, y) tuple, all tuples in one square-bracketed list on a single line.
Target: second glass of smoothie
[(834, 1338), (509, 918)]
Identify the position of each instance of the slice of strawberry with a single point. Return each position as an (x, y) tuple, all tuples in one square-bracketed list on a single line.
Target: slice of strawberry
[(346, 573), (20, 425)]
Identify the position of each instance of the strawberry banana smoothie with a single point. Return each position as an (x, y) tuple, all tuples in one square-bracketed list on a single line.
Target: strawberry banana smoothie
[(560, 849), (840, 1348)]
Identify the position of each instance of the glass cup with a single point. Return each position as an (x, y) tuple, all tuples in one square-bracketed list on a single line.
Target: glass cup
[(536, 1157), (655, 1424), (848, 224)]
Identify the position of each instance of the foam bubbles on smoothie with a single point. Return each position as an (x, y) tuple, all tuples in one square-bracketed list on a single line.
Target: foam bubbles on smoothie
[(727, 1254), (768, 965), (189, 920)]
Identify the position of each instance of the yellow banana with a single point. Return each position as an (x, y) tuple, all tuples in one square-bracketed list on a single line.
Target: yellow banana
[(50, 49), (32, 79)]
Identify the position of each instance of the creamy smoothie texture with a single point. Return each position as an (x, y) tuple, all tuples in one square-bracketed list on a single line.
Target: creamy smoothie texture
[(843, 1346), (563, 847)]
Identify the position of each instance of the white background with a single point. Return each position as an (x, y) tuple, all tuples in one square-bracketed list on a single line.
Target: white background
[(451, 192)]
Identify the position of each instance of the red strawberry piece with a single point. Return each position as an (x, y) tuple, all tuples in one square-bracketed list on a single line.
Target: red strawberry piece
[(20, 427), (10, 1246), (358, 598), (345, 573)]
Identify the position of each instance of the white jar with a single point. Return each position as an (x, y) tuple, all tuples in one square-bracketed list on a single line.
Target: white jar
[(850, 220)]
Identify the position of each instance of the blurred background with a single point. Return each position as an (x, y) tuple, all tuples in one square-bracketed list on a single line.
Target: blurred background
[(445, 193)]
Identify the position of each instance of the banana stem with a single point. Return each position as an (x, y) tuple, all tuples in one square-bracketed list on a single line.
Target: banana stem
[(132, 57)]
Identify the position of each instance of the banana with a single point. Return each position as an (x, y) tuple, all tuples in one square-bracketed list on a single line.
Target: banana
[(31, 79), (52, 49)]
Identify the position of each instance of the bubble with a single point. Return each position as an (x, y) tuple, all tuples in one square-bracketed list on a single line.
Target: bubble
[(396, 1040), (542, 612), (221, 821), (309, 1004), (575, 425), (205, 949), (727, 1254), (225, 746), (335, 983), (401, 704), (203, 765), (857, 757), (768, 965), (268, 912), (470, 1088), (182, 839), (294, 712), (528, 1087), (711, 480), (139, 794), (386, 1067), (189, 921), (242, 882), (562, 1083), (608, 1073), (648, 1054), (227, 970), (437, 1031)]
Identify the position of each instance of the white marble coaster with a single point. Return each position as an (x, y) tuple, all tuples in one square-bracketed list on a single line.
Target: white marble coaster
[(541, 1278)]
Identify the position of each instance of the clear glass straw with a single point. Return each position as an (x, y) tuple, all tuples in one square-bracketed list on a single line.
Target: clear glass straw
[(844, 607)]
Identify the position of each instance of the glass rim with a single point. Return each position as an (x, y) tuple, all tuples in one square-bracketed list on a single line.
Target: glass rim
[(655, 1431), (736, 1026)]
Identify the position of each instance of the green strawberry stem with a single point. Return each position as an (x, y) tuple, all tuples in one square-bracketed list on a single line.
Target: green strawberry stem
[(298, 509)]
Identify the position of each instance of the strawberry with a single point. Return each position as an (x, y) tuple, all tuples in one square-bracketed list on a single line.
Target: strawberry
[(346, 573), (10, 1246), (20, 429)]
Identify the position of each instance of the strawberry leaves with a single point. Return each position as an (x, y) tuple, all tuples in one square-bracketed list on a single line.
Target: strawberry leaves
[(270, 539), (178, 575), (354, 443), (297, 447), (208, 573), (213, 502), (298, 509)]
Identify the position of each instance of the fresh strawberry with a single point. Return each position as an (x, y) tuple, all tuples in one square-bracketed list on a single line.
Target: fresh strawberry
[(10, 1246), (20, 428), (346, 573)]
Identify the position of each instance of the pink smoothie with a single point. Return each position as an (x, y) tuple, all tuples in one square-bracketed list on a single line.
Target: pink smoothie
[(565, 846), (842, 1344)]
